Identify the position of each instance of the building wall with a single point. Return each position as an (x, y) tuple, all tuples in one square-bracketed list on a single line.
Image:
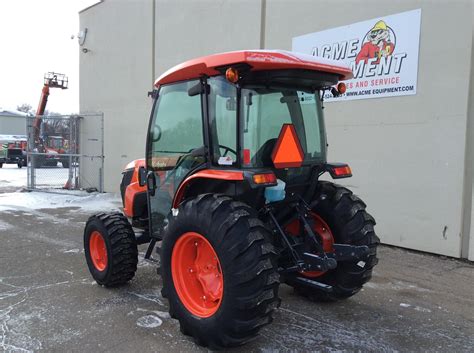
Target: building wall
[(409, 154), (197, 28), (128, 47), (115, 76), (12, 125), (467, 248)]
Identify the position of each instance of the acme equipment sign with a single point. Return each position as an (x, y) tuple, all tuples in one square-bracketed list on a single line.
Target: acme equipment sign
[(382, 53)]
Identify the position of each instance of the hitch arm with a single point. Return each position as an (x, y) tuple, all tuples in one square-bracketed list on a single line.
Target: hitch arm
[(322, 262), (293, 252)]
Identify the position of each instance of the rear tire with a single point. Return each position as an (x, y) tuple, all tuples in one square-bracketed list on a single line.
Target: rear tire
[(247, 262), (110, 249), (65, 164), (350, 223)]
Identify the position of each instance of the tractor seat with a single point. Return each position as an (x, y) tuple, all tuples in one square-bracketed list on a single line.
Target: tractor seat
[(263, 157)]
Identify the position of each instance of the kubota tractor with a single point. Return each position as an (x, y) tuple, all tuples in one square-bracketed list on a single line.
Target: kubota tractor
[(230, 191)]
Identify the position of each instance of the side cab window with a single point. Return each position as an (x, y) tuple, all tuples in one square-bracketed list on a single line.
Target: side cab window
[(176, 129), (223, 120)]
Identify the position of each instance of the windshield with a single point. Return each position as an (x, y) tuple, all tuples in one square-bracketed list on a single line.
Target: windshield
[(55, 142), (264, 110)]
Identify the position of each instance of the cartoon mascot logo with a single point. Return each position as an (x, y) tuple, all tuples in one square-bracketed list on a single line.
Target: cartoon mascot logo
[(378, 42)]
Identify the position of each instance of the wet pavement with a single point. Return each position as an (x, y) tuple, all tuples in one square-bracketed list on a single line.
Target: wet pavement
[(48, 301)]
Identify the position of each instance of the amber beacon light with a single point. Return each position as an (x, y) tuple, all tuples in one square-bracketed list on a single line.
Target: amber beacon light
[(232, 75)]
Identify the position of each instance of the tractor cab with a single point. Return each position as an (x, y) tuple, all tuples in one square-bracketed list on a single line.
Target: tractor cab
[(238, 129), (56, 143)]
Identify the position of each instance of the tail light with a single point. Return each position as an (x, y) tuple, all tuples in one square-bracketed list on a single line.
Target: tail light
[(339, 170), (264, 178)]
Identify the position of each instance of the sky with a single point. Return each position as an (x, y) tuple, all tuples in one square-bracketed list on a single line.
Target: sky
[(35, 37)]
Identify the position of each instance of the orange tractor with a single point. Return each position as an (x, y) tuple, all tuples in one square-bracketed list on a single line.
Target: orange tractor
[(230, 192)]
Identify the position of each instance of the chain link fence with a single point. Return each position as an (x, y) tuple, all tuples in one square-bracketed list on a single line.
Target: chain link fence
[(65, 152)]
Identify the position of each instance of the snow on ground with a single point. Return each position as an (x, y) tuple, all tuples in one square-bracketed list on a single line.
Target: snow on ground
[(12, 176), (4, 226), (53, 178), (13, 138), (39, 200)]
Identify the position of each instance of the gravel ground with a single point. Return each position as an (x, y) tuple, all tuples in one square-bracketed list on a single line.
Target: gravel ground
[(48, 301)]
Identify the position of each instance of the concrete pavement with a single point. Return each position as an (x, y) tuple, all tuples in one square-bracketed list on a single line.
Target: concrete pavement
[(48, 301)]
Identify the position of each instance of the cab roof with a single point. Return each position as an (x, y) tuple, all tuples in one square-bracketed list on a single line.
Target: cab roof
[(258, 60)]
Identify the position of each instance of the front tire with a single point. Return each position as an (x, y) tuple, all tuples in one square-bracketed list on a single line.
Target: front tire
[(349, 223), (226, 289), (110, 248)]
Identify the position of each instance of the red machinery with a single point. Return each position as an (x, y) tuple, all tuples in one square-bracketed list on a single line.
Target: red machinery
[(51, 80)]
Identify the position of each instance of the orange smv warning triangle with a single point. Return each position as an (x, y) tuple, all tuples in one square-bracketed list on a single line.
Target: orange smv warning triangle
[(287, 151)]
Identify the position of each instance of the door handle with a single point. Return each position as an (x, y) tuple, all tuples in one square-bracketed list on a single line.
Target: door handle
[(151, 183)]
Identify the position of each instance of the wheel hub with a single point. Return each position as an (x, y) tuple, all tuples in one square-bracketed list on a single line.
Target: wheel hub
[(197, 274), (326, 238), (98, 251)]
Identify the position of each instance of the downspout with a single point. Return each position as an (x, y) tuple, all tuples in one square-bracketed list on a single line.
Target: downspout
[(263, 10), (153, 34), (467, 231)]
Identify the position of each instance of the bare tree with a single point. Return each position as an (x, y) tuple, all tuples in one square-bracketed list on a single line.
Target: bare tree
[(55, 127), (25, 108)]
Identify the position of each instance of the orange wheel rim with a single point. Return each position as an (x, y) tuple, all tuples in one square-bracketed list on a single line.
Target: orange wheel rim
[(98, 251), (321, 228), (197, 274)]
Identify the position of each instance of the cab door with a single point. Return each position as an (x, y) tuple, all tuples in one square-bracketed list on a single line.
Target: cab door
[(174, 144)]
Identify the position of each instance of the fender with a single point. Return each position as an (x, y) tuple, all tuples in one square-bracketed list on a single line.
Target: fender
[(131, 189), (230, 175)]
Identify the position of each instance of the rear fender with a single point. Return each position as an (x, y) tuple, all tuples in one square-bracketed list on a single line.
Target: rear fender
[(223, 175)]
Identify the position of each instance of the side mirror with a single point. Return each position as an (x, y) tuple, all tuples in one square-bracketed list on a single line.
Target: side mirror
[(142, 176), (199, 88), (156, 133)]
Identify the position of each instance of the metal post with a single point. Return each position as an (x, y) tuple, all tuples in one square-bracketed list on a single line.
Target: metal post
[(30, 157), (101, 176), (70, 176), (101, 186), (77, 150)]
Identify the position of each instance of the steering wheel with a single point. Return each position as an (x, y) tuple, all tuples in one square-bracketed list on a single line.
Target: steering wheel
[(226, 150)]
